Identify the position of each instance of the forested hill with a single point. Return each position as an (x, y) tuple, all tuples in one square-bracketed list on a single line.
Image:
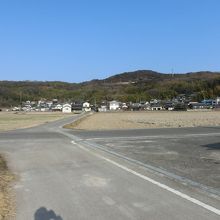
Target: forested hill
[(128, 86)]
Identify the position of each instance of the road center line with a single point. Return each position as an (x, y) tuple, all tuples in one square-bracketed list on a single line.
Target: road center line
[(161, 185)]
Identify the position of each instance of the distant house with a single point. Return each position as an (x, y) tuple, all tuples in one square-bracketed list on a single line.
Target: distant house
[(181, 98), (86, 107), (217, 105), (42, 109), (49, 104), (154, 101), (114, 105), (77, 107), (209, 102), (156, 107), (124, 106), (180, 107), (41, 102), (56, 108), (28, 102), (135, 106), (26, 109), (15, 109), (102, 108), (33, 103), (146, 106), (169, 106), (55, 101), (198, 106), (67, 108)]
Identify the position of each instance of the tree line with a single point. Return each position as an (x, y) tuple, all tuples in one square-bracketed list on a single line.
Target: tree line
[(196, 86)]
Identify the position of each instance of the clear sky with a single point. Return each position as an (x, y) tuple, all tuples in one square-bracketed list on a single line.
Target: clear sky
[(79, 40)]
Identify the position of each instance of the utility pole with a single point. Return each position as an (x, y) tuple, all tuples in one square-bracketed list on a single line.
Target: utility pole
[(21, 98), (95, 102)]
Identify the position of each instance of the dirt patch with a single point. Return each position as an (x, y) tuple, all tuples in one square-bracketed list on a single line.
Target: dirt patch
[(6, 203), (12, 120), (77, 123), (154, 119)]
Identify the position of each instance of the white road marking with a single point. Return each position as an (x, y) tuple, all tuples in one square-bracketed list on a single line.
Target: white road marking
[(161, 185), (153, 137)]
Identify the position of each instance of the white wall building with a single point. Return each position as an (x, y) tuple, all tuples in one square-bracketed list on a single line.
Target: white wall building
[(114, 105), (86, 107), (103, 108), (67, 108)]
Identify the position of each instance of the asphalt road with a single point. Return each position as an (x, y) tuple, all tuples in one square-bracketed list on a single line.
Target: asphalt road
[(192, 153), (68, 175)]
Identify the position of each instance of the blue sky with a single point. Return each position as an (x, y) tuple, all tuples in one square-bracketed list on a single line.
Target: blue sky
[(79, 40)]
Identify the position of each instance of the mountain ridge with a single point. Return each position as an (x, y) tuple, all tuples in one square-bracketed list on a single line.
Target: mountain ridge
[(126, 86), (142, 74)]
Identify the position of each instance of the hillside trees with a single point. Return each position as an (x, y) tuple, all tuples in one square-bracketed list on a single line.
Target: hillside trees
[(143, 86)]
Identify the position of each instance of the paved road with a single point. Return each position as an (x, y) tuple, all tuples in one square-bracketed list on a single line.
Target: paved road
[(192, 153), (63, 176)]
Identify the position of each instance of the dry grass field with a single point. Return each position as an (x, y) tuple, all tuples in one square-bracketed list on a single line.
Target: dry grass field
[(151, 119), (6, 202), (12, 120)]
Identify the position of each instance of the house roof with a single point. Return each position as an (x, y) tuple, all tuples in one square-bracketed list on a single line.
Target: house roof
[(156, 105), (113, 102), (67, 104)]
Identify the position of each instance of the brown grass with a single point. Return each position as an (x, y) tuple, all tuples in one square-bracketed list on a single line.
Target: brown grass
[(77, 123), (13, 120), (152, 119), (6, 202)]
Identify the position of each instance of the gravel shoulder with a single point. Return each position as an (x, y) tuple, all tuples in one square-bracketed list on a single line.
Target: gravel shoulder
[(141, 120)]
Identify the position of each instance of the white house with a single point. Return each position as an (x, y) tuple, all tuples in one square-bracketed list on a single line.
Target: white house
[(114, 105), (103, 108), (86, 107), (124, 106), (56, 108), (156, 107), (67, 108), (49, 104)]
